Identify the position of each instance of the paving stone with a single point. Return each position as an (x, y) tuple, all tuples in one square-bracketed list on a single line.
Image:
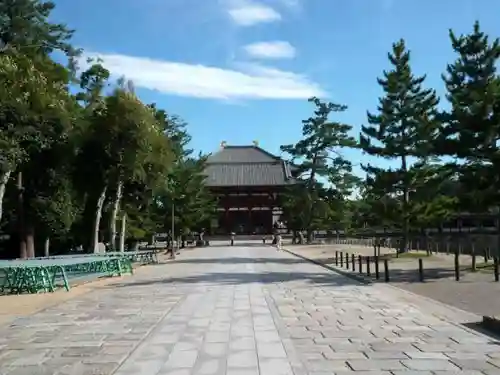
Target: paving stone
[(474, 364), (326, 365), (210, 367), (182, 359), (344, 355), (429, 365), (82, 352), (30, 370), (175, 372), (234, 371), (271, 350), (426, 355), (244, 358), (385, 355), (369, 365), (214, 349), (275, 367), (217, 337)]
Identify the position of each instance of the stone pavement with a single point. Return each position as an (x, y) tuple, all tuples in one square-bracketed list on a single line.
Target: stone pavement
[(245, 311)]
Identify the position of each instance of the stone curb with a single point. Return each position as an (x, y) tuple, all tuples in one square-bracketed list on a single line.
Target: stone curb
[(357, 277)]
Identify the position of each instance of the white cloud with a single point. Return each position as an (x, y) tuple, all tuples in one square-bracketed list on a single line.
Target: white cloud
[(249, 12), (246, 81), (271, 50)]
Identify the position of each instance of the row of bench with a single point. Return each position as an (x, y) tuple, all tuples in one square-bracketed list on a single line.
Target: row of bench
[(48, 273)]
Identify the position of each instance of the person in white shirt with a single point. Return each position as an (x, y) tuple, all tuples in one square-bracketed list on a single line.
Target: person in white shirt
[(277, 235)]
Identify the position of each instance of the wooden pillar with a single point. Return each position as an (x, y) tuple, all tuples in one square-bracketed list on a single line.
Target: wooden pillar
[(249, 205)]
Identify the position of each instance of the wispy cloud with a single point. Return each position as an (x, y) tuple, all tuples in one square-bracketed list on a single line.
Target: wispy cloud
[(271, 50), (246, 81), (250, 12), (293, 4)]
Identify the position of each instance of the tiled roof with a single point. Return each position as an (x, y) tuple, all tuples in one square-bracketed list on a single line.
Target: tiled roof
[(242, 154), (246, 166)]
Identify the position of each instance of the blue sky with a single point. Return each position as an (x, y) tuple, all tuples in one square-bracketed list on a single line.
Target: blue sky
[(242, 70)]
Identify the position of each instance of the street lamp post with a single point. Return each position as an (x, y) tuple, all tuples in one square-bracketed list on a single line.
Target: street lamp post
[(173, 226)]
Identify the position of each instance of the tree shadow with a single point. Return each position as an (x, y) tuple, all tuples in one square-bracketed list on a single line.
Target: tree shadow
[(239, 260), (239, 278)]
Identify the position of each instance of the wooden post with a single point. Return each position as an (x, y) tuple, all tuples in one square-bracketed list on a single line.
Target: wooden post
[(341, 259), (347, 261), (457, 266), (421, 270), (495, 268), (368, 272), (386, 270), (353, 262), (360, 264), (336, 258), (377, 273)]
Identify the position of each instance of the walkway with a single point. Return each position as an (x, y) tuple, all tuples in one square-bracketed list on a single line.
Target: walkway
[(245, 311)]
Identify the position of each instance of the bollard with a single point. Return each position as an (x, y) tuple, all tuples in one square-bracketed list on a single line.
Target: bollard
[(353, 262), (263, 240), (421, 270), (457, 266), (360, 264), (386, 270), (473, 265), (347, 261), (232, 242), (485, 255), (377, 273), (495, 268), (341, 259), (368, 272), (336, 258)]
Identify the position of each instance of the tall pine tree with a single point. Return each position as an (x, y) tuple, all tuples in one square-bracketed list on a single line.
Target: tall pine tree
[(318, 155), (401, 131), (471, 128)]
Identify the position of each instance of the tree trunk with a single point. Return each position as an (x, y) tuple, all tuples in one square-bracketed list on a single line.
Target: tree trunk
[(97, 221), (122, 232), (23, 253), (311, 187), (4, 178), (114, 214), (46, 247), (30, 241), (406, 199)]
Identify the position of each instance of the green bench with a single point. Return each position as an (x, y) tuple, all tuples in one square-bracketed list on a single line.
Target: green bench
[(140, 256), (43, 275)]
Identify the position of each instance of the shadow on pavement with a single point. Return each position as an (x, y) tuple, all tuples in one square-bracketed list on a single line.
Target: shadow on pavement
[(237, 278), (478, 327), (240, 260)]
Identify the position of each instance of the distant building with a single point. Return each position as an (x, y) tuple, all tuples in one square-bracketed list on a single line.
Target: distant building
[(248, 183)]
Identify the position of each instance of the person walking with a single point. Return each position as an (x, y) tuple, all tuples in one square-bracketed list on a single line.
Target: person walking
[(278, 241), (277, 235)]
